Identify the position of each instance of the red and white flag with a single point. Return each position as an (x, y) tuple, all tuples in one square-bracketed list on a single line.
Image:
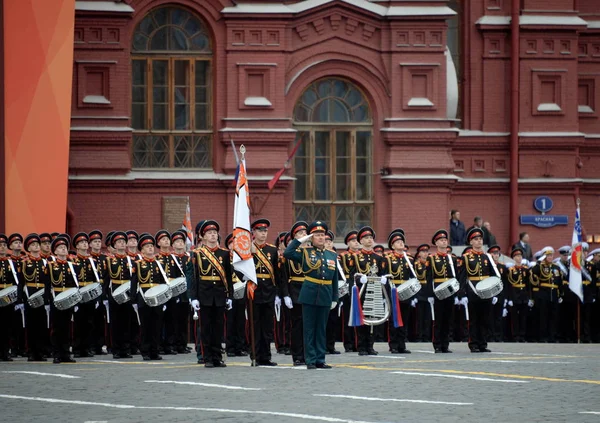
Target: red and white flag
[(187, 227), (575, 279), (243, 261)]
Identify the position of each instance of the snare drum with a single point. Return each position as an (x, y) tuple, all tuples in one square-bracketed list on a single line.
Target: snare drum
[(90, 292), (489, 287), (408, 289), (157, 295), (238, 290), (178, 286), (37, 299), (121, 294), (343, 288), (8, 296), (67, 299), (447, 289)]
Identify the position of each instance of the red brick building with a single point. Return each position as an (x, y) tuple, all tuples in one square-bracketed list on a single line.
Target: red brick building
[(403, 107)]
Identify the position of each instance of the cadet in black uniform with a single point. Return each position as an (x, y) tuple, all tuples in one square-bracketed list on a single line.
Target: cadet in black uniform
[(518, 295), (500, 302), (211, 291), (100, 324), (237, 345), (180, 266), (347, 260), (423, 326), (567, 311), (8, 278), (546, 276)]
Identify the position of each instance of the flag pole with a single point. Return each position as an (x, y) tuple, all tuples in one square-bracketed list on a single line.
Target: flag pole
[(579, 322)]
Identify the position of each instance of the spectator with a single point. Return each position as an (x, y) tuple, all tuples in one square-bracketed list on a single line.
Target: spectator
[(524, 244), (478, 223), (492, 237), (457, 229)]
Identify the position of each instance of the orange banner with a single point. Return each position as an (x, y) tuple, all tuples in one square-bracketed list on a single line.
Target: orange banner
[(38, 72)]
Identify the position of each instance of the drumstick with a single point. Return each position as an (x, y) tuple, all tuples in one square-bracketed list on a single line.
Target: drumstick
[(23, 316), (48, 318), (138, 317), (432, 312), (467, 312), (107, 313), (277, 312)]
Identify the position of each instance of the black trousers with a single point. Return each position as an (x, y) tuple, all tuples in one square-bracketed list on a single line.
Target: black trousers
[(236, 327), (348, 333), (135, 332), (423, 324), (83, 339), (586, 322), (6, 323), (496, 320), (297, 333), (61, 332), (181, 329), (263, 330), (152, 320), (170, 325), (331, 330), (397, 337), (567, 318), (99, 337), (120, 326), (282, 340), (444, 310), (548, 319), (213, 319), (479, 324), (518, 315), (37, 331)]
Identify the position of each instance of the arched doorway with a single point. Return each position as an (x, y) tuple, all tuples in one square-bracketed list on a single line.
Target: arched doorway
[(333, 166)]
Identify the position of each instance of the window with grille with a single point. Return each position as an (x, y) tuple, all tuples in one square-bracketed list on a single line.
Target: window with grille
[(333, 165), (171, 112)]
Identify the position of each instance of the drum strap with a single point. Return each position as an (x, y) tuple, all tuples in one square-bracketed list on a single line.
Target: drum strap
[(178, 265), (14, 273), (410, 265), (493, 265), (340, 270), (94, 269), (73, 273), (452, 266), (130, 267), (162, 272)]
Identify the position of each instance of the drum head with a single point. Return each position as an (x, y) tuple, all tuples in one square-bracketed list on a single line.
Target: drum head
[(125, 287), (90, 287), (37, 294), (488, 283), (8, 291), (156, 291), (65, 294)]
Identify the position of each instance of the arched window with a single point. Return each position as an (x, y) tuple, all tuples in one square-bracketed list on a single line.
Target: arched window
[(333, 166), (171, 112)]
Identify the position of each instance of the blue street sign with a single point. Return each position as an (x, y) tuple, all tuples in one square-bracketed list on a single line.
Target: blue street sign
[(543, 204), (544, 220)]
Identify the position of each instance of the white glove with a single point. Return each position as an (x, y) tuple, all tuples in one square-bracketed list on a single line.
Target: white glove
[(594, 300), (383, 280), (195, 315), (277, 301), (97, 305), (228, 304), (413, 304), (333, 304), (464, 301), (19, 307), (47, 307), (363, 279), (431, 300), (178, 300), (530, 303), (504, 312), (494, 300), (288, 302), (135, 307), (416, 300), (510, 303), (505, 302), (196, 305), (76, 309), (105, 302), (456, 301), (164, 307), (305, 238), (560, 300)]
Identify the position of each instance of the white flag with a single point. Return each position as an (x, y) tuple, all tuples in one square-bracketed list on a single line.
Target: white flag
[(243, 260), (575, 281)]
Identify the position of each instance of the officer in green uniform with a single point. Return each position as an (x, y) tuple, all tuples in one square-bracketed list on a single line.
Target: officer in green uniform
[(319, 291)]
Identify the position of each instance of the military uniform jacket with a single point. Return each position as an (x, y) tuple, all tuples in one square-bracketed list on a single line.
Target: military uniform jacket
[(267, 273), (565, 292), (7, 278), (292, 277), (363, 261), (474, 267), (147, 274), (212, 275), (33, 275), (545, 281), (439, 270), (596, 278), (119, 269), (421, 271), (503, 270), (589, 283), (86, 275), (397, 266), (319, 266), (518, 288), (60, 278), (176, 266)]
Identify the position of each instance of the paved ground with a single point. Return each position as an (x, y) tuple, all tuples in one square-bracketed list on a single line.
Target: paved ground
[(516, 382)]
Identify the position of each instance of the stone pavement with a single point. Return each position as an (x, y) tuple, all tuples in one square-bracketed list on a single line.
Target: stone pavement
[(516, 382)]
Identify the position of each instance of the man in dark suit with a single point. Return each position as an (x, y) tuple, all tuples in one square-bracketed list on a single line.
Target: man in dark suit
[(457, 229), (523, 244)]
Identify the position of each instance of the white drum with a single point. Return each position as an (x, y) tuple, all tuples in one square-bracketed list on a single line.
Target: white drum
[(90, 292), (343, 288), (489, 287), (408, 289), (121, 294), (178, 286), (238, 290), (447, 289), (67, 299), (36, 300), (157, 295), (8, 296)]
